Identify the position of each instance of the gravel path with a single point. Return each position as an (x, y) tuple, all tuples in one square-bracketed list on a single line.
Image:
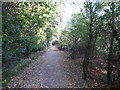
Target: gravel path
[(46, 72), (53, 70)]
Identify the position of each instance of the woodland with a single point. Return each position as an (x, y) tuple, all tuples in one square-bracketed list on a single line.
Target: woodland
[(93, 34)]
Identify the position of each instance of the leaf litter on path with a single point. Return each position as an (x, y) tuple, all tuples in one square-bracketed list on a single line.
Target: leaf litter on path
[(53, 70)]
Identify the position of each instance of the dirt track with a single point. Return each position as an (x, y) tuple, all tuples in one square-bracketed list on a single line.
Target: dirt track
[(53, 70), (45, 72)]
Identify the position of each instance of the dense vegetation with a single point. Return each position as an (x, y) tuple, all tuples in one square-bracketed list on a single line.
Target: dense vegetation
[(27, 28), (95, 34)]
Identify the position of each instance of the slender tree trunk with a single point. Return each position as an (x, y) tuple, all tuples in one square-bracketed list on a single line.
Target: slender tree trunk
[(115, 35), (109, 63), (88, 51)]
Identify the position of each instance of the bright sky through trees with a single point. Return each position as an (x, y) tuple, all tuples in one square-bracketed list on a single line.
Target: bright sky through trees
[(68, 9)]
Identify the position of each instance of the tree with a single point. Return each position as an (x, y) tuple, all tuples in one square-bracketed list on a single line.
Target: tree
[(112, 15), (91, 9), (26, 26)]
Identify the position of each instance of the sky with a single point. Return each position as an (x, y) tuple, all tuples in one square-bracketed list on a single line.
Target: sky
[(68, 9)]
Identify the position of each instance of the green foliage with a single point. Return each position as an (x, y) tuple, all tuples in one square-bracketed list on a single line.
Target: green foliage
[(76, 32), (64, 41), (26, 27), (95, 33), (102, 14)]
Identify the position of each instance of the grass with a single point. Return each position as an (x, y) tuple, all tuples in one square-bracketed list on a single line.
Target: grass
[(9, 71)]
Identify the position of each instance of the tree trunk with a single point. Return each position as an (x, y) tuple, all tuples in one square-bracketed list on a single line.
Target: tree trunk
[(115, 35), (109, 63), (88, 50)]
